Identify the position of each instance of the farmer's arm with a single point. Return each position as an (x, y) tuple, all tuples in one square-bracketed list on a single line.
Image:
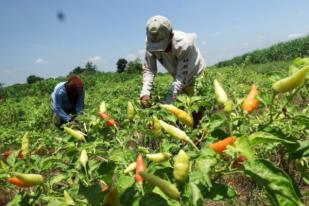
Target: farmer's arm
[(184, 56), (149, 72), (80, 103), (57, 107)]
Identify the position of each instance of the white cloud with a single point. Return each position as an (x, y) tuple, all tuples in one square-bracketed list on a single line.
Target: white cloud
[(139, 54), (95, 59), (204, 42), (40, 61), (295, 35)]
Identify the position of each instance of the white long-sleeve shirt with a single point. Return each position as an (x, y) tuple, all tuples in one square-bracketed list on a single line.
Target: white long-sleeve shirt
[(184, 62)]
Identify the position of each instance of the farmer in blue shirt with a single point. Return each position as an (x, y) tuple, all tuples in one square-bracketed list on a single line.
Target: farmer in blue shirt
[(67, 100)]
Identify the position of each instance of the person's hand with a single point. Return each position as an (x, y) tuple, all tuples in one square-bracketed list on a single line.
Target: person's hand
[(145, 101), (168, 99), (73, 122)]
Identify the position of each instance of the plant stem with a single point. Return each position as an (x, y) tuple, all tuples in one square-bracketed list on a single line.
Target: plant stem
[(87, 178), (271, 108), (140, 186)]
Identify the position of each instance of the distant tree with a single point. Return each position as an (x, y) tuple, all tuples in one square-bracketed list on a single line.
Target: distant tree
[(77, 70), (135, 66), (90, 67), (121, 65), (1, 91), (32, 79)]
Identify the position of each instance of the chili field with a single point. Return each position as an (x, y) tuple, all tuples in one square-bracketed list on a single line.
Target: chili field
[(227, 154)]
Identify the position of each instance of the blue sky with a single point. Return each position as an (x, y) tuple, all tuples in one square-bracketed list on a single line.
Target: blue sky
[(34, 41)]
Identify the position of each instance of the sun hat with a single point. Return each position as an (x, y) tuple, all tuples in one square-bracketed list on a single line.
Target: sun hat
[(158, 30)]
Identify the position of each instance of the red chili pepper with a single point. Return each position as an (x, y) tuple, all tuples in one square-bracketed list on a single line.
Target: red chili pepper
[(16, 181), (110, 121), (140, 167), (221, 145)]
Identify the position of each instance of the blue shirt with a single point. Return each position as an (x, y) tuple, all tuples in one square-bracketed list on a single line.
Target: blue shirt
[(61, 103)]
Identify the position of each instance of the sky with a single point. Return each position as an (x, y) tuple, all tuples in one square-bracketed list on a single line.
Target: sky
[(33, 41)]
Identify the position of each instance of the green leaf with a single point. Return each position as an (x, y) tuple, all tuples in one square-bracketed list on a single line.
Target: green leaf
[(241, 147), (124, 181), (12, 158), (276, 182), (57, 179), (303, 119), (301, 151), (204, 165), (153, 199), (92, 193), (106, 170), (50, 162), (4, 168), (264, 137), (116, 155), (15, 201), (197, 197), (214, 125), (170, 201), (127, 197), (218, 192)]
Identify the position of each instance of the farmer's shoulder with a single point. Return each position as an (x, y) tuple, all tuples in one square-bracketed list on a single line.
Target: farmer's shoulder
[(182, 40), (60, 88)]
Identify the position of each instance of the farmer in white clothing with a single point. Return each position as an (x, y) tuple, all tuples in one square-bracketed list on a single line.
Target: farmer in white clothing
[(176, 51)]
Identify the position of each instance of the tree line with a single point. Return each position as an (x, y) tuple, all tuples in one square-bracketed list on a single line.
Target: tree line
[(284, 51), (123, 65)]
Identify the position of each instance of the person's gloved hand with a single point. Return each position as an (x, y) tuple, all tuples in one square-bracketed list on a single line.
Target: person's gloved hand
[(145, 101)]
